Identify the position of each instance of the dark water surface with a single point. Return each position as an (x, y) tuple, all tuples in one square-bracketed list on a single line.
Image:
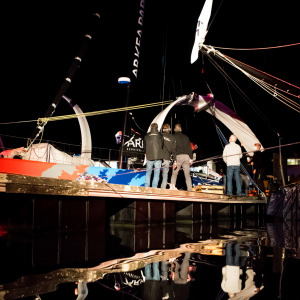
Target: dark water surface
[(184, 260)]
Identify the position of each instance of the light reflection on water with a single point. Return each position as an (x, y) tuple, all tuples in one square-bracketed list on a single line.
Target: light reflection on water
[(186, 261)]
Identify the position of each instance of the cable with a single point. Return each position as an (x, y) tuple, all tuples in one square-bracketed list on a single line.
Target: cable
[(265, 48), (93, 113)]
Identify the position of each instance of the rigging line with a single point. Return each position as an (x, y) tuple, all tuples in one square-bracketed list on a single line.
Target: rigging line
[(133, 119), (264, 48), (212, 19), (246, 152), (13, 136), (238, 89), (17, 122), (255, 108), (277, 95), (222, 71), (228, 58), (233, 121), (229, 90), (202, 160), (62, 117), (272, 91), (261, 82), (220, 136), (101, 112), (270, 87)]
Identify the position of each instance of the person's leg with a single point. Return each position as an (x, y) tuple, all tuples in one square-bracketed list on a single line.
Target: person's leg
[(237, 177), (229, 179), (156, 273), (184, 268), (148, 272), (149, 167), (236, 261), (242, 180), (229, 258), (187, 173), (175, 170), (225, 184), (247, 182), (165, 172), (260, 179), (164, 270), (157, 166)]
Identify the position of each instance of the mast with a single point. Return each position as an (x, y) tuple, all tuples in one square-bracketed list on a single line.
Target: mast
[(134, 73), (67, 81)]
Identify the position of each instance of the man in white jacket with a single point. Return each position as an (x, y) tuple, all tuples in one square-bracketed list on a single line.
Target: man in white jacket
[(231, 282), (232, 154)]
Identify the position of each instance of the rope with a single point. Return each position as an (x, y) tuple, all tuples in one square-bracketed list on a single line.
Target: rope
[(101, 112), (202, 160), (265, 48), (274, 91), (41, 121)]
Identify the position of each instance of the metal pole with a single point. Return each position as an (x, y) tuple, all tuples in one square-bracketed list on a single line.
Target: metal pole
[(280, 161)]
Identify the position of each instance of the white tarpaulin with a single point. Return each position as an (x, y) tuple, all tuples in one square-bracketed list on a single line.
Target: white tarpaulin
[(220, 111)]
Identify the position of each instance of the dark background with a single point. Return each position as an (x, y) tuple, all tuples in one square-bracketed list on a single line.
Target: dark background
[(40, 41)]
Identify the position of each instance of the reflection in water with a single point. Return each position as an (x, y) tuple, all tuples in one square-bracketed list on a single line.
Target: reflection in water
[(219, 263)]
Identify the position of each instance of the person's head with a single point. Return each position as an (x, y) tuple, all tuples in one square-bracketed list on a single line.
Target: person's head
[(154, 127), (257, 146), (177, 128), (232, 138), (166, 128)]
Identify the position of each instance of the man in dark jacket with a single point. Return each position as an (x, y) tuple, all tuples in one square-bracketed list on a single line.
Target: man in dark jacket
[(184, 157), (168, 153), (154, 142), (259, 168)]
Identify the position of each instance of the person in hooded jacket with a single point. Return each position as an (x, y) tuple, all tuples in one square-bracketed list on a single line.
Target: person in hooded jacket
[(184, 157), (168, 153), (258, 162), (154, 142)]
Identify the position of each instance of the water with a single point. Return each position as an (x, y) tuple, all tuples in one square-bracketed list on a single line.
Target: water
[(111, 261)]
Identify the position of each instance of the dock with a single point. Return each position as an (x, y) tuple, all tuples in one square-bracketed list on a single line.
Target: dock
[(123, 203)]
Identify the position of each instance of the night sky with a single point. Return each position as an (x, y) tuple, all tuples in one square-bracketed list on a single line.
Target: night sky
[(40, 41)]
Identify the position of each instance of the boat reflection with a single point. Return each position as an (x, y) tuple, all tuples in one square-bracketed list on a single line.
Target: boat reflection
[(238, 265)]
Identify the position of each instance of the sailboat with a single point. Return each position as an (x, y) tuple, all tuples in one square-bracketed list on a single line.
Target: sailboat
[(198, 102)]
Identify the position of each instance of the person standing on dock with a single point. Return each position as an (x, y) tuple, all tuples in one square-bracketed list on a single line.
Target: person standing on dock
[(259, 168), (154, 142), (184, 157), (168, 153), (232, 154), (231, 281)]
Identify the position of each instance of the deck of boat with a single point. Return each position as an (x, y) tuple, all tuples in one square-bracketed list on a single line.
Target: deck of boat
[(21, 184)]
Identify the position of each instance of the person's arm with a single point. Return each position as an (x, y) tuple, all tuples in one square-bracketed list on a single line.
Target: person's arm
[(173, 148), (225, 155)]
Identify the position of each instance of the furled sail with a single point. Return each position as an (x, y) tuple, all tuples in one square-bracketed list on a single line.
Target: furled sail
[(217, 109)]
